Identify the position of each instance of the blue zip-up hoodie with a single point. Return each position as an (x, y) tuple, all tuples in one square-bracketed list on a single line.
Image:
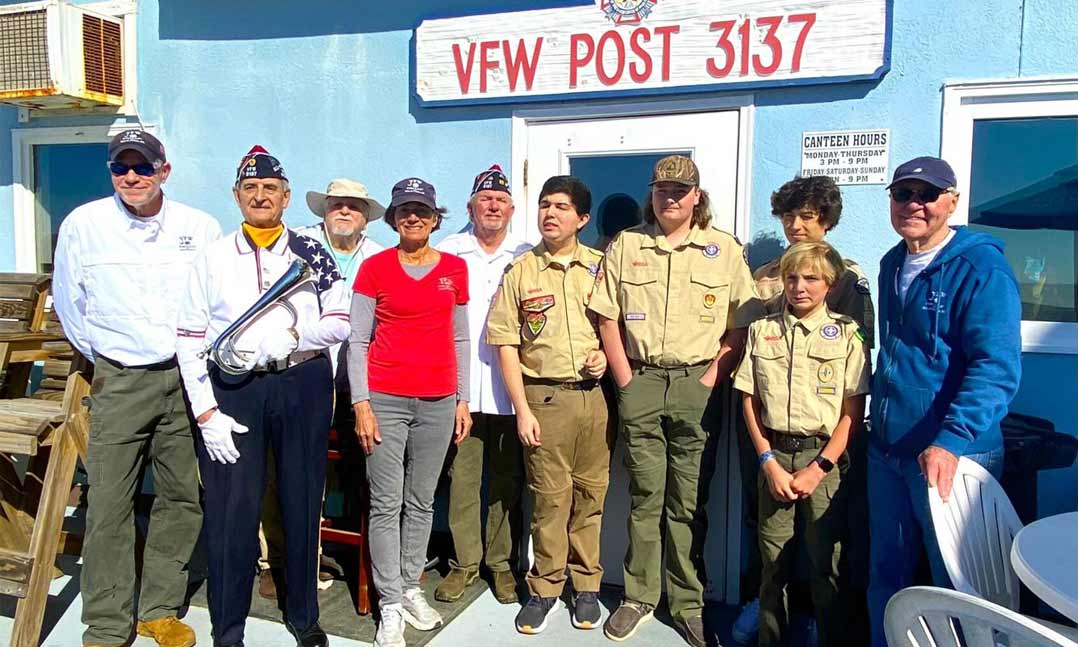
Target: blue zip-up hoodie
[(950, 356)]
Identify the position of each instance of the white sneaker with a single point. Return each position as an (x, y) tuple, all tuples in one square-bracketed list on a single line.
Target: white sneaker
[(391, 630), (747, 624), (417, 612)]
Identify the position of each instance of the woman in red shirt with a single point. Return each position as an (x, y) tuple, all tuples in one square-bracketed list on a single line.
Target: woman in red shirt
[(408, 372)]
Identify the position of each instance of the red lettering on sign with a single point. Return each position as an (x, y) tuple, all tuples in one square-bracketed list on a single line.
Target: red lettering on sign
[(464, 73), (600, 58), (724, 26), (485, 64), (666, 32), (513, 65), (770, 40), (772, 43), (743, 32), (640, 34), (575, 60), (809, 19)]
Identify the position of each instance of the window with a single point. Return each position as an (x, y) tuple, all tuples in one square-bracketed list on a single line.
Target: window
[(1014, 147)]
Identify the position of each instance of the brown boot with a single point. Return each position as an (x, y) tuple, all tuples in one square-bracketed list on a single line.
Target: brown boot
[(167, 631), (452, 587), (505, 587), (267, 586)]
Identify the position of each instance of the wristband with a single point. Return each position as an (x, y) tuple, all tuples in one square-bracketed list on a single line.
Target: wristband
[(766, 456)]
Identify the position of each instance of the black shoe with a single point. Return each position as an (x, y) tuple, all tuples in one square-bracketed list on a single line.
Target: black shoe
[(312, 636), (533, 616), (586, 611)]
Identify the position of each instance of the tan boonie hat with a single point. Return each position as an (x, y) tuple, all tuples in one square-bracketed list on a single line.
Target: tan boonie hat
[(344, 188), (676, 168)]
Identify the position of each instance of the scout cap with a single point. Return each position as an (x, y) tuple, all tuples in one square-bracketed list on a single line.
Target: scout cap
[(933, 170), (413, 189), (139, 141), (258, 163), (492, 179), (676, 168), (344, 188)]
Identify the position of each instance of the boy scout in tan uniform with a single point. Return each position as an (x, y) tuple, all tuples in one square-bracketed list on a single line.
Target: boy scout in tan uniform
[(539, 319), (801, 378), (683, 308), (851, 295)]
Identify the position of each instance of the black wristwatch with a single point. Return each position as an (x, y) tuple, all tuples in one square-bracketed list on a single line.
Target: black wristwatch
[(824, 464)]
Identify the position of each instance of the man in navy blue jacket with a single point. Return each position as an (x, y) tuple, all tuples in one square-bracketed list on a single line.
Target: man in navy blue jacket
[(948, 366)]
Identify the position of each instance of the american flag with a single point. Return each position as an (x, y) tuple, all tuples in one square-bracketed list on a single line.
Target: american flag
[(317, 257)]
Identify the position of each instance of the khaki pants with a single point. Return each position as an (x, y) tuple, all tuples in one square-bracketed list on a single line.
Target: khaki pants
[(668, 423), (823, 518), (568, 475), (138, 416), (493, 441)]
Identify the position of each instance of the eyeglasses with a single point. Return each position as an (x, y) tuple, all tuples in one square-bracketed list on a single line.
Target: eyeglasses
[(145, 169), (420, 211), (925, 196)]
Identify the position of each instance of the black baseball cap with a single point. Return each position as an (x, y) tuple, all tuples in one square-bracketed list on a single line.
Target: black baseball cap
[(933, 170), (139, 141)]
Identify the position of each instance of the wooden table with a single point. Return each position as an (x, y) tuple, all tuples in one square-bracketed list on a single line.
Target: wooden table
[(18, 352), (1044, 557)]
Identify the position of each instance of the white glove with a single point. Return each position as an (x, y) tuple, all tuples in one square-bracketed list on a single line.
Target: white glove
[(217, 437), (275, 345)]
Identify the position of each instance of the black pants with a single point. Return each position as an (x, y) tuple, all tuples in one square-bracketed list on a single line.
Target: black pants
[(291, 411)]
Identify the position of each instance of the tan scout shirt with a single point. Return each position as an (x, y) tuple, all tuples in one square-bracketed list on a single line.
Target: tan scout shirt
[(675, 304), (803, 370), (541, 307), (851, 295)]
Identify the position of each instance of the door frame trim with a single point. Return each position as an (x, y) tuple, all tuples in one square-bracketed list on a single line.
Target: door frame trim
[(23, 141)]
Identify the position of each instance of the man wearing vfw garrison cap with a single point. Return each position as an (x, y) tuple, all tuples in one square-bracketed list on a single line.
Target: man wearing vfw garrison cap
[(487, 248), (277, 391), (128, 256), (681, 294)]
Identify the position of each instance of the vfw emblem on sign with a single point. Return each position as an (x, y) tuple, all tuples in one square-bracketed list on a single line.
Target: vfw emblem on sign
[(626, 12)]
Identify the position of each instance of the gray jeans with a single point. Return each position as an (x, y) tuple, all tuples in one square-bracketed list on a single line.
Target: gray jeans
[(403, 473)]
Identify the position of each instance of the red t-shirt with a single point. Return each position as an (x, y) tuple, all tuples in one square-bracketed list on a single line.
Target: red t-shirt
[(412, 353)]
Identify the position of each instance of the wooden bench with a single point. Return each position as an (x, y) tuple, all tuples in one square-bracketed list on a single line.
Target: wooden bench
[(25, 326), (53, 435)]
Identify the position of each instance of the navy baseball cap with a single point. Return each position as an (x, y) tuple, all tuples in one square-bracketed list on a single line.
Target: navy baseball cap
[(933, 170), (139, 141), (413, 189)]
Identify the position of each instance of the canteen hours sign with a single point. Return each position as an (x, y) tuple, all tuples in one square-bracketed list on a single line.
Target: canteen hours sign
[(848, 156), (649, 47)]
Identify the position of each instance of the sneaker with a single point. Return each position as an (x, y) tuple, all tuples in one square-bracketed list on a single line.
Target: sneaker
[(623, 623), (586, 610), (391, 629), (456, 581), (803, 632), (692, 630), (417, 612), (747, 624), (533, 616)]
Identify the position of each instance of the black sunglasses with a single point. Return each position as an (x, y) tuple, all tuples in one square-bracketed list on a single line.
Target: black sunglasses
[(145, 169), (925, 196)]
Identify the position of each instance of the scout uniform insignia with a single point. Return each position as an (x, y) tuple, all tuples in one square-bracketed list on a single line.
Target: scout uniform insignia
[(534, 309), (826, 372), (711, 251), (709, 300), (830, 331)]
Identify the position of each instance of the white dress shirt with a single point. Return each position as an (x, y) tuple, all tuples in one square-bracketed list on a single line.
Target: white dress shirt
[(488, 394), (116, 277), (227, 279)]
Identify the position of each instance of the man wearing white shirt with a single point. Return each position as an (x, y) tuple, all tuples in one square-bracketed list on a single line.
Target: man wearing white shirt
[(282, 397), (120, 261), (487, 249)]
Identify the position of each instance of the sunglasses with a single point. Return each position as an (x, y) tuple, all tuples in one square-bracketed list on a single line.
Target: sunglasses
[(925, 196), (145, 169)]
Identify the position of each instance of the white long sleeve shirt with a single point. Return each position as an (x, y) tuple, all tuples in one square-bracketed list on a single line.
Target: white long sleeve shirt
[(488, 394), (116, 277), (227, 279)]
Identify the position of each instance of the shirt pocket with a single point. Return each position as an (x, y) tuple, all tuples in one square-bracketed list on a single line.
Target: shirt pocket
[(114, 282), (827, 374), (639, 287), (710, 294), (770, 361)]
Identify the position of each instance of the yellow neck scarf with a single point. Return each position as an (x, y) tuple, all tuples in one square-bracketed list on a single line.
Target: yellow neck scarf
[(263, 237)]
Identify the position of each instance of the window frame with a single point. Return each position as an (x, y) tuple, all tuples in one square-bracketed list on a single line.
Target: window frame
[(969, 101)]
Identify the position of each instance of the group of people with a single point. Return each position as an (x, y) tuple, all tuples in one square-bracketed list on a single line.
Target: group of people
[(523, 363)]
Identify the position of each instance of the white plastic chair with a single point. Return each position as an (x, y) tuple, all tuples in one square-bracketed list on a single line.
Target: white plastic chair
[(926, 616), (975, 530)]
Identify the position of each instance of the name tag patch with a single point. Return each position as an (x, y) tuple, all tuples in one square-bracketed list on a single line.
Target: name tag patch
[(707, 319), (187, 243), (635, 316), (826, 390)]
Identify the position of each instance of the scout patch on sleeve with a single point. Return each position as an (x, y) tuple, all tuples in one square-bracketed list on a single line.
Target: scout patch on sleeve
[(863, 286), (536, 321), (826, 390), (829, 331), (538, 304)]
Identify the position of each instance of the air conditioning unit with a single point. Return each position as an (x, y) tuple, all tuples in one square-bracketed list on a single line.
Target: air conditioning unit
[(54, 54)]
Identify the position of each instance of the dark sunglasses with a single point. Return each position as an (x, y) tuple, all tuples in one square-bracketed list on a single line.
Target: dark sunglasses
[(925, 196), (145, 169)]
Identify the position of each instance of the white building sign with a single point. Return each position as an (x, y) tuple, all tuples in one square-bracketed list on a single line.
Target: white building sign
[(848, 156), (649, 46)]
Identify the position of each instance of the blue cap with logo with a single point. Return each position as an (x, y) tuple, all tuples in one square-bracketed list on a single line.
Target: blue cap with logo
[(413, 189), (933, 170)]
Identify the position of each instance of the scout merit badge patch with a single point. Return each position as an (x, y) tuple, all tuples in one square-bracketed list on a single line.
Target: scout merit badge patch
[(830, 331), (534, 309), (826, 372), (711, 251), (709, 300)]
